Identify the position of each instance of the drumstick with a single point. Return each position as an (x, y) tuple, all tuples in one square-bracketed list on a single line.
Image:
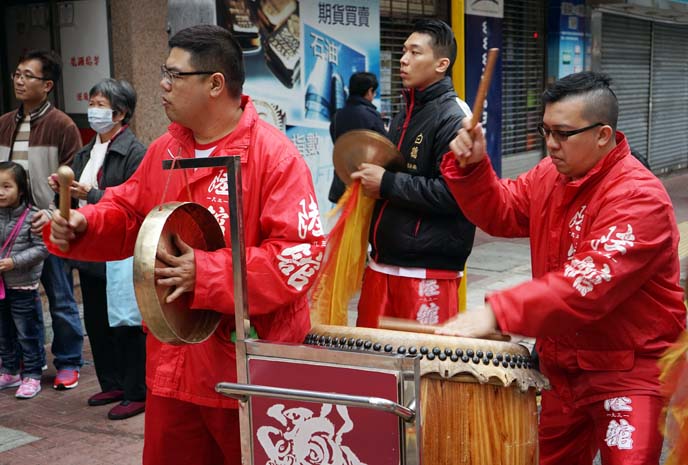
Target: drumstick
[(410, 326), (65, 176), (483, 87)]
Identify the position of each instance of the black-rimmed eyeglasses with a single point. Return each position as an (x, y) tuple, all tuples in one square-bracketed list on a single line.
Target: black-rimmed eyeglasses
[(170, 75), (27, 77), (559, 135)]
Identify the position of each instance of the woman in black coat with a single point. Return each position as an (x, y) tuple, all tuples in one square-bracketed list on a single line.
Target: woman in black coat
[(108, 160)]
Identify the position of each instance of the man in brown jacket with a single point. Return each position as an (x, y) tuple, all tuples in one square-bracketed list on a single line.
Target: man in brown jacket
[(40, 138)]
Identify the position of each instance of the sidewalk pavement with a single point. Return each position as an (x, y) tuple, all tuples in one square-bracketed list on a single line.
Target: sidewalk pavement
[(58, 428)]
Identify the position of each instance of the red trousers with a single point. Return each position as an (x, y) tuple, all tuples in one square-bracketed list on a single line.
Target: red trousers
[(626, 431), (428, 301), (182, 433)]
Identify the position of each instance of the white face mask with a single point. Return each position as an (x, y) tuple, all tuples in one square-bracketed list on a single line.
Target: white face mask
[(100, 119)]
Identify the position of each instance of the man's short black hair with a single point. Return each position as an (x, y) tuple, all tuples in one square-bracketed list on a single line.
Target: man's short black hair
[(213, 48), (443, 42), (51, 63), (359, 83), (601, 104)]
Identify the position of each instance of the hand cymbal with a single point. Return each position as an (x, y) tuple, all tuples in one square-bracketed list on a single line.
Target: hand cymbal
[(364, 146)]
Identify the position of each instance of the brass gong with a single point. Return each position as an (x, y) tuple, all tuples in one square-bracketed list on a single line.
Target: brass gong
[(176, 322), (364, 146)]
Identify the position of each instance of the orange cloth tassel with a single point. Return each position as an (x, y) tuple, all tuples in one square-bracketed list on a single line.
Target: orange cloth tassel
[(674, 378), (345, 258)]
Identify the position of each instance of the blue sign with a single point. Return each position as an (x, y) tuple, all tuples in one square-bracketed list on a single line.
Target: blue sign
[(482, 34), (566, 38)]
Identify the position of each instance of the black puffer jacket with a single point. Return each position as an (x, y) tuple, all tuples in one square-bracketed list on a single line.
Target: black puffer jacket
[(358, 113), (417, 223)]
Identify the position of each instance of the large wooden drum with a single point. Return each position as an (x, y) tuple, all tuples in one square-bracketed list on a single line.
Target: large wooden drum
[(477, 397)]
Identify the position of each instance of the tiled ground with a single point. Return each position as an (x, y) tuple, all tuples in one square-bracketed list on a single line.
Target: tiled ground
[(59, 428)]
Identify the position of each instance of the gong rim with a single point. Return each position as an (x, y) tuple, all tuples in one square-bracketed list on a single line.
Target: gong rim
[(174, 323), (364, 146)]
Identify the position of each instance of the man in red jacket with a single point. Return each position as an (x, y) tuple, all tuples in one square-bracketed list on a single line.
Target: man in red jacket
[(605, 300), (187, 422)]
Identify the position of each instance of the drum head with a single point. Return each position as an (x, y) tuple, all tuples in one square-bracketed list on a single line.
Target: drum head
[(173, 323), (364, 146)]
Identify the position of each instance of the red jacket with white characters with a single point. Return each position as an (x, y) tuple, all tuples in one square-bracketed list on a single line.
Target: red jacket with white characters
[(284, 246), (605, 299)]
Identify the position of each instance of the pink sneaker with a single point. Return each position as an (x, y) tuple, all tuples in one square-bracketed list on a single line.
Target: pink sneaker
[(66, 379), (28, 389), (9, 381)]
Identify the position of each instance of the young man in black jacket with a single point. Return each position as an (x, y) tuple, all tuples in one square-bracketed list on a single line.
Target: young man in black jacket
[(358, 113), (419, 237)]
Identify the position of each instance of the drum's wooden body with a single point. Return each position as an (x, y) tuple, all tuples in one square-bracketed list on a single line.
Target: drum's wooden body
[(477, 397)]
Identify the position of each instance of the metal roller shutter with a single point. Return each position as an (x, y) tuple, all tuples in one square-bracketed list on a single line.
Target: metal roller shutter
[(669, 110), (523, 71), (626, 57)]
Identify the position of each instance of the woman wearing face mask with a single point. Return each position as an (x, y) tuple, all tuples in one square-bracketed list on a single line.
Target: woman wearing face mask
[(108, 160)]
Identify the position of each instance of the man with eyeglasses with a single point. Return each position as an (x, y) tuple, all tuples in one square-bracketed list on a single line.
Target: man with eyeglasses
[(187, 422), (41, 138), (605, 300)]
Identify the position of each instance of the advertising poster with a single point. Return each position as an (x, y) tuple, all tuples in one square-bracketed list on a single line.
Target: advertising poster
[(85, 62), (299, 56), (566, 40), (482, 34)]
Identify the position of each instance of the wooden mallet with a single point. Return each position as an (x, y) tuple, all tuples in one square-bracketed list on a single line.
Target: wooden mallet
[(483, 87), (65, 176)]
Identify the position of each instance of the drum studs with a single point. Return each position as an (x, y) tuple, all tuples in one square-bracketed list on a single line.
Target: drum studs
[(350, 342), (367, 345), (465, 359), (442, 356), (499, 357), (454, 358), (328, 340), (335, 341), (401, 350), (430, 356), (486, 361), (512, 364), (495, 362), (423, 350), (507, 357), (413, 350), (388, 348), (359, 342), (448, 352), (505, 364), (377, 347), (469, 352), (489, 355), (476, 360), (459, 352), (436, 350), (479, 354), (322, 339)]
